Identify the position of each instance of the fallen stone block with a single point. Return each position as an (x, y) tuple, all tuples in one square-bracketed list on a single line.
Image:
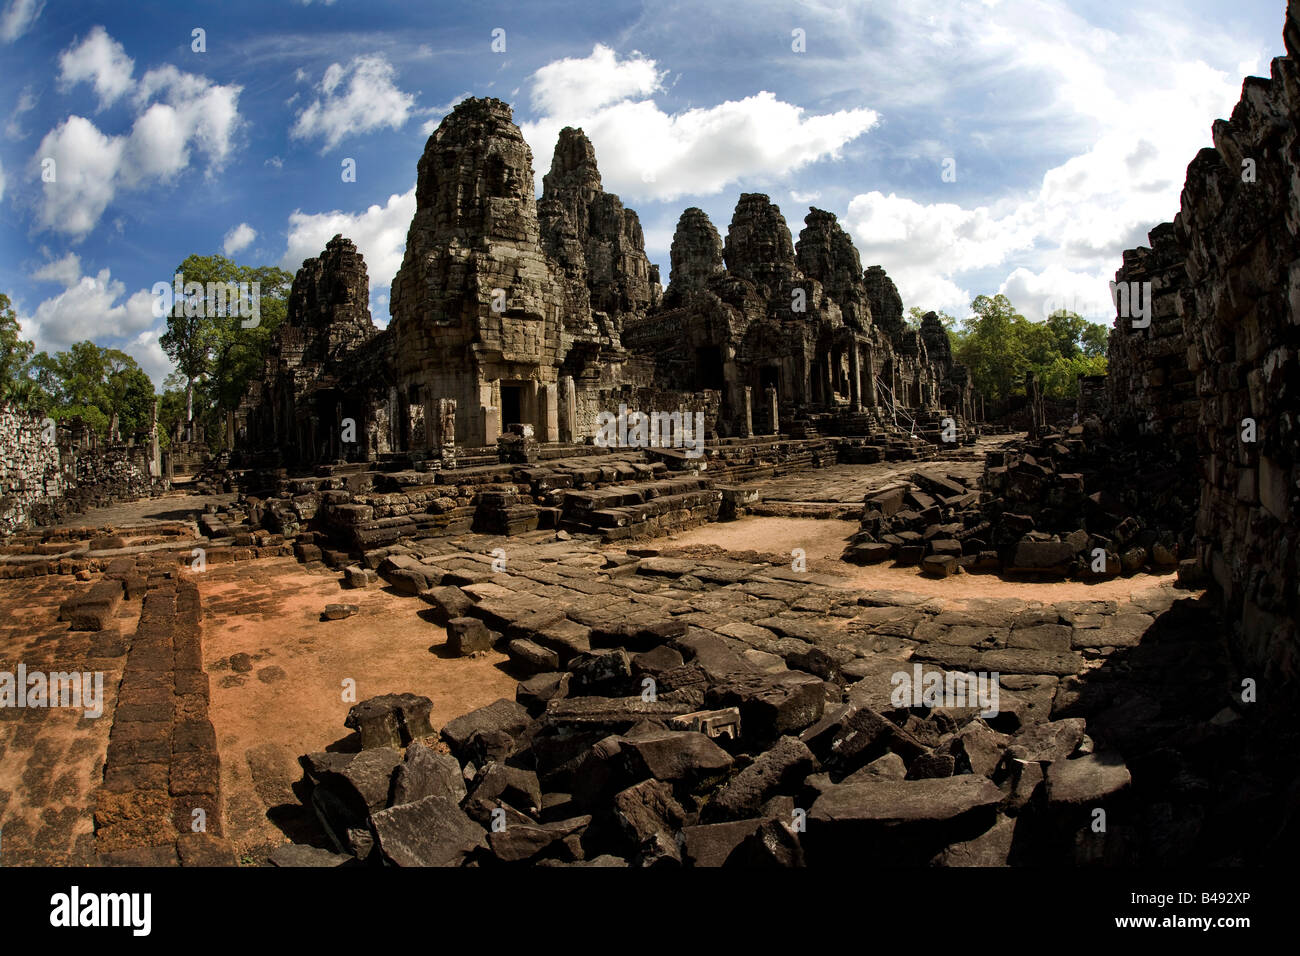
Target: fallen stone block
[(432, 831), (337, 612), (502, 715), (468, 635), (424, 773), (391, 720), (897, 822), (781, 769), (771, 705), (531, 658), (689, 761)]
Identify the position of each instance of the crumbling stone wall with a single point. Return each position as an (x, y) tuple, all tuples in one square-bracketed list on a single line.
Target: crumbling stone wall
[(1221, 357), (1240, 235), (47, 476), (309, 385), (1152, 387), (29, 469)]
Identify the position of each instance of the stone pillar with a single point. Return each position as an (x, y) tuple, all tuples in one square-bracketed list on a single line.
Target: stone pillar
[(869, 397), (855, 378), (567, 410), (548, 413), (772, 407), (490, 418), (417, 427), (746, 406), (155, 462), (828, 385), (444, 419)]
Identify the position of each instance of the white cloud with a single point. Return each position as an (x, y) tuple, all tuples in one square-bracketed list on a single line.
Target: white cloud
[(91, 307), (807, 197), (18, 17), (144, 348), (574, 86), (176, 113), (66, 271), (101, 61), (379, 234), (645, 152), (86, 168), (369, 101), (1058, 243), (26, 103), (1038, 294), (238, 239)]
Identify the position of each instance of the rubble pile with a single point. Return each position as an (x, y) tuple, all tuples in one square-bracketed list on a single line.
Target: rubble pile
[(1063, 504), (727, 711)]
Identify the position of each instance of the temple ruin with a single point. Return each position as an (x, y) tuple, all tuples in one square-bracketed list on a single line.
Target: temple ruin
[(863, 628), (513, 313)]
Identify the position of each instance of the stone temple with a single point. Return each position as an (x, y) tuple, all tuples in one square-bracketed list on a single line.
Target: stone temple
[(517, 315), (865, 628)]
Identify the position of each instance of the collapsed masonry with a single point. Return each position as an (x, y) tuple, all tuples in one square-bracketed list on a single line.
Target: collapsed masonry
[(49, 471), (528, 318)]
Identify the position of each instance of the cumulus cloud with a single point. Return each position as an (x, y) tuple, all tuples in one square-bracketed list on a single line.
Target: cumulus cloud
[(1038, 294), (66, 271), (176, 113), (86, 168), (645, 152), (574, 85), (379, 233), (144, 348), (91, 307), (1059, 242), (101, 61), (17, 18), (370, 100), (238, 239)]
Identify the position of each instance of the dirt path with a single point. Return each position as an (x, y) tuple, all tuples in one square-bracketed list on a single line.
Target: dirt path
[(290, 700), (824, 541)]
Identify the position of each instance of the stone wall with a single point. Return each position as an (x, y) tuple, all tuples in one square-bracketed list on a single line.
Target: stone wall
[(43, 481), (1221, 358), (1152, 387), (29, 470), (1240, 235)]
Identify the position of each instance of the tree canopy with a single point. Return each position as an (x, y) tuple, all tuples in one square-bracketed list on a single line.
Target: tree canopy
[(1001, 346), (215, 354)]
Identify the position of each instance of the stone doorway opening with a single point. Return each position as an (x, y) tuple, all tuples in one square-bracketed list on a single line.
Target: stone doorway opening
[(512, 405)]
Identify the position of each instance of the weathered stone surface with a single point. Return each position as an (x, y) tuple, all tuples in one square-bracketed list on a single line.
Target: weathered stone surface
[(424, 773), (505, 716), (392, 720), (771, 705), (778, 770), (432, 831), (1087, 780)]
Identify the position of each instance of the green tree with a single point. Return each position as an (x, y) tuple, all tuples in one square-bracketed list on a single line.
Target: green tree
[(1094, 340), (995, 347), (94, 384), (1001, 346), (14, 354), (1061, 378), (213, 351)]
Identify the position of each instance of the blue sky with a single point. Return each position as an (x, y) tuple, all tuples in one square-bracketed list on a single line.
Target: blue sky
[(1068, 125)]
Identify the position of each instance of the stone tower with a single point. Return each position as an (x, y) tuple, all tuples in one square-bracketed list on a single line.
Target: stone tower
[(476, 304)]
